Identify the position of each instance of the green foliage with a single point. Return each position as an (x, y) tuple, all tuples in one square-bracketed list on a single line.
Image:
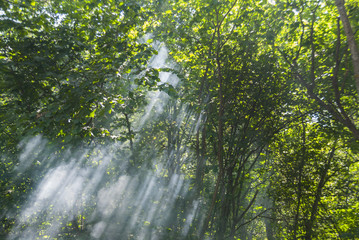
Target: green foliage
[(263, 122), (65, 75)]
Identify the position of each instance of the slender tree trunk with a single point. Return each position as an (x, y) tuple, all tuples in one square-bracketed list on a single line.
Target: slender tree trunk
[(201, 157), (132, 158), (269, 227), (128, 123), (220, 151), (222, 222), (351, 40), (200, 153), (299, 190), (219, 133), (323, 178)]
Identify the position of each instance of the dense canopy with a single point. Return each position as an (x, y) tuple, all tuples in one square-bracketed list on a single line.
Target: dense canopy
[(179, 119)]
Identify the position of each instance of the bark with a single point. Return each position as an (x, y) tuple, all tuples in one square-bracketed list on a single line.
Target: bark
[(222, 223), (269, 223), (299, 187), (314, 211), (351, 40), (201, 153), (220, 151), (128, 124), (132, 159), (201, 159), (220, 130)]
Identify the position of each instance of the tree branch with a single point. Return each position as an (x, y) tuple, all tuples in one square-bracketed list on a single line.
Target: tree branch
[(351, 40)]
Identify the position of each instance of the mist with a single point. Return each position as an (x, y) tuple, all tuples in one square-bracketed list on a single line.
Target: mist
[(79, 189), (92, 191)]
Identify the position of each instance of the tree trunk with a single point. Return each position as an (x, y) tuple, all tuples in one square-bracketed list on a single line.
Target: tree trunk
[(201, 159), (323, 178), (299, 187), (219, 135), (351, 40), (269, 228)]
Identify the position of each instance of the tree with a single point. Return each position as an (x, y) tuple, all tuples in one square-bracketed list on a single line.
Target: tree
[(65, 73), (310, 161), (351, 40), (178, 119), (71, 71), (243, 101), (321, 72)]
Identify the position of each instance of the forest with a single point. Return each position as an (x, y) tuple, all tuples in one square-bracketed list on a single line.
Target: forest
[(179, 119)]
